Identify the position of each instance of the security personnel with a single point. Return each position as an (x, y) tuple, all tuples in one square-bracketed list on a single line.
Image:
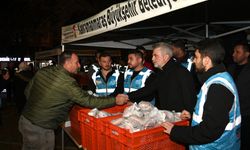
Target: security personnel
[(185, 59), (95, 66), (137, 75), (104, 80), (216, 118), (180, 55)]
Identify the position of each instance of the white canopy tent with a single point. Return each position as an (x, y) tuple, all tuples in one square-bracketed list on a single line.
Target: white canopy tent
[(117, 16), (112, 28)]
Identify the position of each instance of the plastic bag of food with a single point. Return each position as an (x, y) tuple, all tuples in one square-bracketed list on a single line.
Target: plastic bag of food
[(143, 116), (93, 112), (150, 123), (172, 116), (154, 118), (134, 123), (118, 121), (145, 106), (132, 110), (98, 114)]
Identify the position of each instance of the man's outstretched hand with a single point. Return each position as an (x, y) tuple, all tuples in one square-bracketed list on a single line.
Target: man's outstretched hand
[(121, 99)]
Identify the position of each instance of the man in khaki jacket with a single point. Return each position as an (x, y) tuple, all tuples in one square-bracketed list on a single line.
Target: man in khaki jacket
[(50, 95)]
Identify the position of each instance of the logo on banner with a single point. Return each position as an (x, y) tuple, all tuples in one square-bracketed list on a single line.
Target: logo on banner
[(74, 29)]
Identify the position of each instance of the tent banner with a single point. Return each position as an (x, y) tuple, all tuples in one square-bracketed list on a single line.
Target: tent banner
[(120, 15)]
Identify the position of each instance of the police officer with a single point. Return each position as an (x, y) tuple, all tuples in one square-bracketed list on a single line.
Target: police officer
[(180, 55), (104, 80), (137, 75)]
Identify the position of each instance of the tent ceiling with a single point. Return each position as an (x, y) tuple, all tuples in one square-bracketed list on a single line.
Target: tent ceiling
[(129, 38), (107, 44)]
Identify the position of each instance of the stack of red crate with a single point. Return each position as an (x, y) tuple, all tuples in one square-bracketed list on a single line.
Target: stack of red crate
[(94, 130), (150, 139), (73, 116)]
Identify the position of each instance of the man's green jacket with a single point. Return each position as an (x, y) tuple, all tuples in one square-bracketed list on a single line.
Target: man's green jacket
[(51, 94)]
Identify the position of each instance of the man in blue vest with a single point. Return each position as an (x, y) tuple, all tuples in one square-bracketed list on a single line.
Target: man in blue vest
[(95, 66), (216, 118), (137, 75), (185, 59), (104, 80), (147, 62), (180, 55)]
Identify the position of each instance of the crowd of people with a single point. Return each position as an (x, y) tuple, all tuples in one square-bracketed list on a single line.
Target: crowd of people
[(12, 85), (219, 113)]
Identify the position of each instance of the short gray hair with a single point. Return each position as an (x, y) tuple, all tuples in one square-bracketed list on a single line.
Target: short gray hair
[(164, 47)]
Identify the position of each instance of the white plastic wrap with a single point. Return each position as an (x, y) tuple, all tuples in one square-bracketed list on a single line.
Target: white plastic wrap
[(98, 114), (132, 110), (118, 121), (145, 106), (143, 116), (150, 123), (93, 112), (133, 123), (171, 116)]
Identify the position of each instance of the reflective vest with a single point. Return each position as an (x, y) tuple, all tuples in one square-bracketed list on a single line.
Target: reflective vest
[(103, 88), (188, 64), (137, 82), (95, 68), (230, 139)]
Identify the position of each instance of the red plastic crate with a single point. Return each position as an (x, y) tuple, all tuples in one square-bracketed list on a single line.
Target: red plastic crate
[(150, 139), (93, 130), (73, 116)]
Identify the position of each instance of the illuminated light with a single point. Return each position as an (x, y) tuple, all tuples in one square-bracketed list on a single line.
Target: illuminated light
[(4, 59), (12, 58), (27, 59)]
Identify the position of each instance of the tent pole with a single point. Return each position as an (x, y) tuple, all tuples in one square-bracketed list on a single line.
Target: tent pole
[(63, 48), (58, 56), (231, 22), (207, 31), (187, 32), (230, 32)]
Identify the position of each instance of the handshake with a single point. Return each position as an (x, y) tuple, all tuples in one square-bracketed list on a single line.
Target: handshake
[(121, 99)]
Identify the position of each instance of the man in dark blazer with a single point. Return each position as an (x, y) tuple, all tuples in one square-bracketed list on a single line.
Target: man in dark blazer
[(241, 74), (173, 84)]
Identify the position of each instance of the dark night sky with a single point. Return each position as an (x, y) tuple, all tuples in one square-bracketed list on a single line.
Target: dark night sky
[(33, 25)]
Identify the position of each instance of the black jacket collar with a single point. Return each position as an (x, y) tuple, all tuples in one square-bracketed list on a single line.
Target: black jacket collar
[(99, 72), (212, 71), (168, 65)]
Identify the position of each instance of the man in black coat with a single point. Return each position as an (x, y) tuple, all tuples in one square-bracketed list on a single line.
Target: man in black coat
[(241, 74), (173, 84)]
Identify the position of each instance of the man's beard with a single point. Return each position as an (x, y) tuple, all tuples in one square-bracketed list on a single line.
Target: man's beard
[(157, 66), (130, 66), (200, 69), (239, 61), (107, 69)]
